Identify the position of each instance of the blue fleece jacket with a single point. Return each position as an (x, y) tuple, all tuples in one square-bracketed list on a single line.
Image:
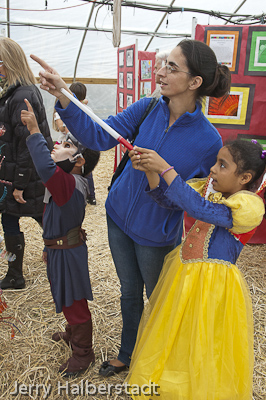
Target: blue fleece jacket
[(191, 145)]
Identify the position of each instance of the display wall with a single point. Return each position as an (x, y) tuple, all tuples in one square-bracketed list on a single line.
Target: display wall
[(242, 113), (135, 79)]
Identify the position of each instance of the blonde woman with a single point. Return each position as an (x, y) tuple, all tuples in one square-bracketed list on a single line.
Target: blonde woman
[(21, 190)]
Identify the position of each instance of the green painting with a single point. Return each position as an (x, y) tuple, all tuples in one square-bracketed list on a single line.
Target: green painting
[(257, 52)]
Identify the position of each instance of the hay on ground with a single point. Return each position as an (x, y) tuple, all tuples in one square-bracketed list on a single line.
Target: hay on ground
[(32, 358)]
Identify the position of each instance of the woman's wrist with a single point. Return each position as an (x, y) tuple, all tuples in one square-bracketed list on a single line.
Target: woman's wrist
[(64, 101)]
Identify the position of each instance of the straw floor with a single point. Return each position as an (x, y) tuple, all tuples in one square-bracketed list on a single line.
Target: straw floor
[(32, 358)]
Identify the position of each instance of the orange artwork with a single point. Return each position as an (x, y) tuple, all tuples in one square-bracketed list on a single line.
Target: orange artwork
[(225, 36), (224, 106)]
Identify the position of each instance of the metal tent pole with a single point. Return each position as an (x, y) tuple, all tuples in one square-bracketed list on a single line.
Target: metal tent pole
[(7, 18), (237, 8), (82, 41), (160, 23)]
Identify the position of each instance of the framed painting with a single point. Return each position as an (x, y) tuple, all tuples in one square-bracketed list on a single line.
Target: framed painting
[(130, 57), (256, 52), (121, 80), (121, 100), (226, 44), (121, 58), (129, 80), (233, 110), (129, 100)]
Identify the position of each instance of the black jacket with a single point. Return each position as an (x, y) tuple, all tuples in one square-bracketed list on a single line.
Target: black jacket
[(16, 165)]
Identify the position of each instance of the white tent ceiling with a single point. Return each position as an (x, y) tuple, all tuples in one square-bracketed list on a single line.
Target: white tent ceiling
[(56, 33), (44, 31)]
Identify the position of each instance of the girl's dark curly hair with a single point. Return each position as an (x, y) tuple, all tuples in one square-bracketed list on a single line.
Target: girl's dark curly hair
[(248, 158)]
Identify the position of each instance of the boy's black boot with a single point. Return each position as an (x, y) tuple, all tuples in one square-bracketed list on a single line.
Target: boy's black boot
[(14, 277)]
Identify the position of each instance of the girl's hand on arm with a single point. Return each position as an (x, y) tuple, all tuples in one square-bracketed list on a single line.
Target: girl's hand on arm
[(153, 177), (151, 161), (28, 118), (135, 159), (51, 81)]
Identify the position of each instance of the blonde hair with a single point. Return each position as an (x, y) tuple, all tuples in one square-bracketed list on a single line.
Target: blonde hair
[(15, 63)]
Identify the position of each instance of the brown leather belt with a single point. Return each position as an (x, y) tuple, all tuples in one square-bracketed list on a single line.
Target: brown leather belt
[(74, 238)]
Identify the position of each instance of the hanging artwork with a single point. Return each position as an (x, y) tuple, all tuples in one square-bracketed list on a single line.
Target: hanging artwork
[(260, 139), (226, 44), (129, 74), (129, 100), (232, 110), (256, 52), (146, 73), (125, 76), (121, 58), (145, 69), (242, 114), (145, 89), (121, 100), (130, 57), (121, 80), (130, 80)]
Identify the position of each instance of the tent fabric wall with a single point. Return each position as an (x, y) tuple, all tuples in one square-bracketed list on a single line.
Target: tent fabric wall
[(59, 46), (101, 99)]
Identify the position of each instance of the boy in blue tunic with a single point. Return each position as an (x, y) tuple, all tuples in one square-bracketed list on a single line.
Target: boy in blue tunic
[(63, 173)]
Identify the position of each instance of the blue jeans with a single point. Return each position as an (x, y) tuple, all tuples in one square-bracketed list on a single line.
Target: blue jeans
[(136, 265)]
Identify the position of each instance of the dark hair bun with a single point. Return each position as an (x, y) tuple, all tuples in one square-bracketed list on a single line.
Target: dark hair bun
[(221, 83), (201, 61)]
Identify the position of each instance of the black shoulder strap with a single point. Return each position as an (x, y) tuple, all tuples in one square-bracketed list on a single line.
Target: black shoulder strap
[(125, 157), (149, 108)]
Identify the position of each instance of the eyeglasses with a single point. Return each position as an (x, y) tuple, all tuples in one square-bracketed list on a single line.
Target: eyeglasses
[(170, 69)]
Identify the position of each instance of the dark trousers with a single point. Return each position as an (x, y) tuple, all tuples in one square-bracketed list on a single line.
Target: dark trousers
[(91, 185), (11, 226)]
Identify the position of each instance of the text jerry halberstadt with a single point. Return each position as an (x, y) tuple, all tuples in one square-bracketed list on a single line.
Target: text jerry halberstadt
[(85, 388)]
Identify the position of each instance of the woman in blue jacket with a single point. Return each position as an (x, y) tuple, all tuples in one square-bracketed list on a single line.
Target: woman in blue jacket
[(140, 232)]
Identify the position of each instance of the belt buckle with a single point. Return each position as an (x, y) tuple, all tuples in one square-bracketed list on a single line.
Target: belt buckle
[(59, 242)]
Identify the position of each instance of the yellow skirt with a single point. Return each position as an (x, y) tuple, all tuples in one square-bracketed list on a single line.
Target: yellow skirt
[(197, 341)]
